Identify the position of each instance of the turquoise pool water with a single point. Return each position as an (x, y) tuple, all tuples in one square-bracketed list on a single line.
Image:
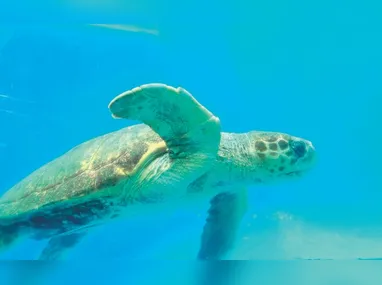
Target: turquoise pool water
[(312, 70)]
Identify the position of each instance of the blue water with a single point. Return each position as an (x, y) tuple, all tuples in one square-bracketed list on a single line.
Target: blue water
[(310, 69)]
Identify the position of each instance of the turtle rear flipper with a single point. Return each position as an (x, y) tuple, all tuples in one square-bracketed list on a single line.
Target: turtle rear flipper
[(60, 245), (9, 234), (191, 132)]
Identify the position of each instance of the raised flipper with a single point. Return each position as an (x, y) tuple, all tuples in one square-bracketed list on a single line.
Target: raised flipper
[(58, 246), (191, 133), (224, 216)]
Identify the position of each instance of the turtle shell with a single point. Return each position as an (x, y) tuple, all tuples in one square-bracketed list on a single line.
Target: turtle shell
[(91, 169)]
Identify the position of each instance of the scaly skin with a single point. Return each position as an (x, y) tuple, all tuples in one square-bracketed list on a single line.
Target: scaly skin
[(256, 157)]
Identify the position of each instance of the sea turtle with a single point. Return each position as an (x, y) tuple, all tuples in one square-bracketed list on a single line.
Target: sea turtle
[(179, 155)]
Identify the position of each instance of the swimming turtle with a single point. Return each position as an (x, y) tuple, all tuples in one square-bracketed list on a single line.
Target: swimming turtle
[(178, 155)]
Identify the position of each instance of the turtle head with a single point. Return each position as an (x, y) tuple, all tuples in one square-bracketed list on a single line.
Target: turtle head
[(277, 155)]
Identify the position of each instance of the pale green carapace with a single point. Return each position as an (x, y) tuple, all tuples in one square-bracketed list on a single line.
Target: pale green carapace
[(179, 155)]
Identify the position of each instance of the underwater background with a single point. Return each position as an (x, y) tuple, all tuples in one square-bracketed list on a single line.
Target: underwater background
[(312, 69)]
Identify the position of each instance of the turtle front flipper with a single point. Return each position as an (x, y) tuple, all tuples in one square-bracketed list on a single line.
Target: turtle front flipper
[(191, 133), (59, 245), (224, 216)]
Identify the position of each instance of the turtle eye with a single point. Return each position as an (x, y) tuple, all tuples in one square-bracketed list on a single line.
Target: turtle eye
[(298, 147)]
